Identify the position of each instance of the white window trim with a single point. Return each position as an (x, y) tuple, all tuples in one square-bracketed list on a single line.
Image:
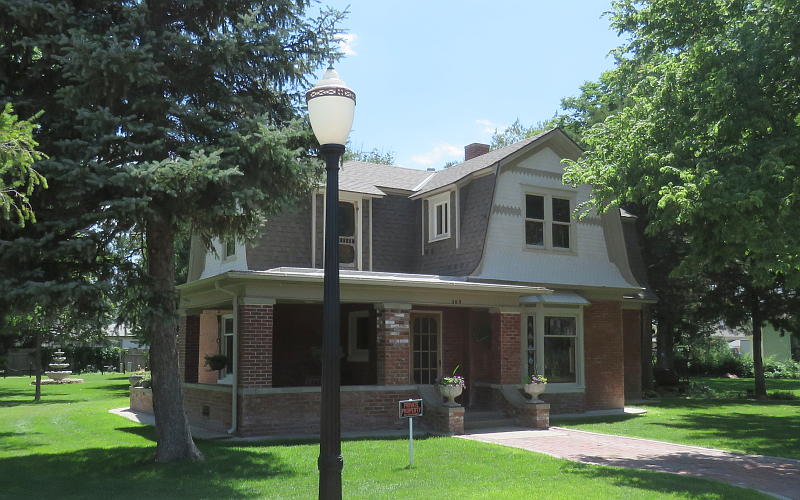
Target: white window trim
[(548, 220), (353, 353), (348, 198), (540, 311), (228, 377), (226, 257), (433, 202)]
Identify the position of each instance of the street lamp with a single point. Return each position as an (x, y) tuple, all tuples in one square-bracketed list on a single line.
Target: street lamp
[(330, 107)]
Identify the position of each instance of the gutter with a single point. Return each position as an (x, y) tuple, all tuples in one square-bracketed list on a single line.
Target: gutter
[(235, 384)]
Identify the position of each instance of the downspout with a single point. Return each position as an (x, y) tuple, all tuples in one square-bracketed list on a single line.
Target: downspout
[(235, 384)]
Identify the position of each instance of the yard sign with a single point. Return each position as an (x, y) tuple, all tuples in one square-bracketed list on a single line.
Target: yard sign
[(410, 408)]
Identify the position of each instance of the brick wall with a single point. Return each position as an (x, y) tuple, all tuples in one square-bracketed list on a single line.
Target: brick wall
[(505, 350), (567, 402), (180, 345), (298, 413), (442, 257), (208, 345), (218, 403), (632, 333), (395, 234), (255, 346), (285, 240), (603, 348), (393, 347), (191, 348)]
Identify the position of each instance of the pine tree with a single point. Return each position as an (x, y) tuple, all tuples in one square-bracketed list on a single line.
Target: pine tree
[(162, 115)]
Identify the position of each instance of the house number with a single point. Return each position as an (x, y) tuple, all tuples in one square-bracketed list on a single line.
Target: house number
[(456, 301)]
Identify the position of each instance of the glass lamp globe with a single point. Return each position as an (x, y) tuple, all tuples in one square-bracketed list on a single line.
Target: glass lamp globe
[(330, 107)]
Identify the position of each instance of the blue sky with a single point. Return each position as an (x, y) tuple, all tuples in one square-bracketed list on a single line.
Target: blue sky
[(434, 76)]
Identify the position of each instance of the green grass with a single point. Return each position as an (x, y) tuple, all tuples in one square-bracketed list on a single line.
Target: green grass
[(69, 446), (727, 420)]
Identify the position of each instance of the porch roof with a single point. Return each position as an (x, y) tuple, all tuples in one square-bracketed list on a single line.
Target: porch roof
[(555, 298), (353, 277)]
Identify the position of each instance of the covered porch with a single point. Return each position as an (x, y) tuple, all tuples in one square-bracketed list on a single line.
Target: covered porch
[(399, 333)]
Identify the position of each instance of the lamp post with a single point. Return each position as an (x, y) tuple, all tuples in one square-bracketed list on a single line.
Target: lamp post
[(330, 107)]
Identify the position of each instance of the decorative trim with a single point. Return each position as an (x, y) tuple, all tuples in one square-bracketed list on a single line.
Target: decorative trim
[(507, 210), (257, 301), (533, 172), (330, 91)]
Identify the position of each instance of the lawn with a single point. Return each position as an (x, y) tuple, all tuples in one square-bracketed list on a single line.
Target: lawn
[(726, 420), (69, 446)]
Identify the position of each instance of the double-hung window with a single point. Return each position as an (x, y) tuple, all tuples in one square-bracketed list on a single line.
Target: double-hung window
[(230, 248), (439, 217), (553, 346), (548, 222)]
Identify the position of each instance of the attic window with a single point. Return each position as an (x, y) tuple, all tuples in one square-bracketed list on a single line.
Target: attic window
[(230, 248), (439, 217), (548, 222)]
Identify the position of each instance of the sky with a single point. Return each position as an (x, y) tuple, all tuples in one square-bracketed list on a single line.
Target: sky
[(433, 76)]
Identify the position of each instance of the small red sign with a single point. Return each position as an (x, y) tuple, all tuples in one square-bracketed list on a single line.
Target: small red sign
[(410, 408)]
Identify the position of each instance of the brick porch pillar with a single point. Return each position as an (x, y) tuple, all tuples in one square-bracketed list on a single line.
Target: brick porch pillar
[(191, 348), (393, 344), (255, 342), (604, 355), (506, 357)]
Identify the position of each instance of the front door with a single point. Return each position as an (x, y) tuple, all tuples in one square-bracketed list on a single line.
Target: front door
[(426, 347)]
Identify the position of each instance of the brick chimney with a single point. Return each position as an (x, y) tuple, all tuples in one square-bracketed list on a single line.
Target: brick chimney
[(474, 150)]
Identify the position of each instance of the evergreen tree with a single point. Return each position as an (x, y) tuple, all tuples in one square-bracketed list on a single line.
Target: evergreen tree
[(161, 115)]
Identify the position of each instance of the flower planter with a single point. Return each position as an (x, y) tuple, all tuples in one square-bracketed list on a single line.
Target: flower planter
[(135, 380), (450, 392), (535, 390)]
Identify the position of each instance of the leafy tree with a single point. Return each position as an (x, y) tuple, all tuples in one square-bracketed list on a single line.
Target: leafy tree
[(18, 178), (374, 155), (709, 137), (515, 133), (167, 115)]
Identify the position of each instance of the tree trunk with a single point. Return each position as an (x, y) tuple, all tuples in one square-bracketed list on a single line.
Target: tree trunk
[(647, 348), (174, 436), (665, 344), (758, 364), (37, 395)]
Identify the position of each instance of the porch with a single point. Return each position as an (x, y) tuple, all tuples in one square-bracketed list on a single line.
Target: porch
[(390, 350)]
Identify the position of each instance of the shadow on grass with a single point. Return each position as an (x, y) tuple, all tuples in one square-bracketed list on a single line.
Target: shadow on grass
[(662, 483), (117, 389), (129, 472), (7, 445), (609, 419)]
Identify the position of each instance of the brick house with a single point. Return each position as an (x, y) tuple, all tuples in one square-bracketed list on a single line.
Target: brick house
[(480, 265)]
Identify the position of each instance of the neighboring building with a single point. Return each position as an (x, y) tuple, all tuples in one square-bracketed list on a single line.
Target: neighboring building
[(773, 345), (134, 352), (482, 265)]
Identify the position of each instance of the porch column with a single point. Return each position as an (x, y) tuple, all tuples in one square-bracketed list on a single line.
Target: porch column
[(393, 344), (255, 342), (187, 347), (506, 347)]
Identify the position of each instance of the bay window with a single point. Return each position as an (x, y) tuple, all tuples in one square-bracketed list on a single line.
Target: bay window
[(553, 345)]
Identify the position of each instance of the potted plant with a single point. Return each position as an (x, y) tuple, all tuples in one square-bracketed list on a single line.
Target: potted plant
[(216, 362), (536, 386), (136, 377), (451, 387)]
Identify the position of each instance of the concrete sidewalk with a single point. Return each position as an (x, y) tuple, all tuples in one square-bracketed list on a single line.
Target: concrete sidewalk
[(779, 477)]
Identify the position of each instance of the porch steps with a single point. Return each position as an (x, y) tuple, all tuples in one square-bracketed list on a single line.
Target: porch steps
[(486, 419)]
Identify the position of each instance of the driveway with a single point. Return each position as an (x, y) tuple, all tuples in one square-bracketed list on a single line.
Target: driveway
[(779, 477)]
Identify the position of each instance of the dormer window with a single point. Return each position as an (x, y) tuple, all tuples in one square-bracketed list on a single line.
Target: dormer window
[(439, 217), (230, 248), (548, 222)]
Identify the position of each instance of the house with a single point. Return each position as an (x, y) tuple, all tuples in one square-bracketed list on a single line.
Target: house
[(481, 266), (774, 346)]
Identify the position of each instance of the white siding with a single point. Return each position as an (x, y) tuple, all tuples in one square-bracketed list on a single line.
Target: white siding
[(216, 264), (506, 256)]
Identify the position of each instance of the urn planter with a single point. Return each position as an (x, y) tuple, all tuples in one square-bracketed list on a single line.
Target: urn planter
[(535, 390), (450, 392)]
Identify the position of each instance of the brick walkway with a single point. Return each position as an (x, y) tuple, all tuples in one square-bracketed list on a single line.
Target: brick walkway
[(779, 477)]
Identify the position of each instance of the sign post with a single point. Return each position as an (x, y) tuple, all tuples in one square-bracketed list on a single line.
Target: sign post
[(410, 408)]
